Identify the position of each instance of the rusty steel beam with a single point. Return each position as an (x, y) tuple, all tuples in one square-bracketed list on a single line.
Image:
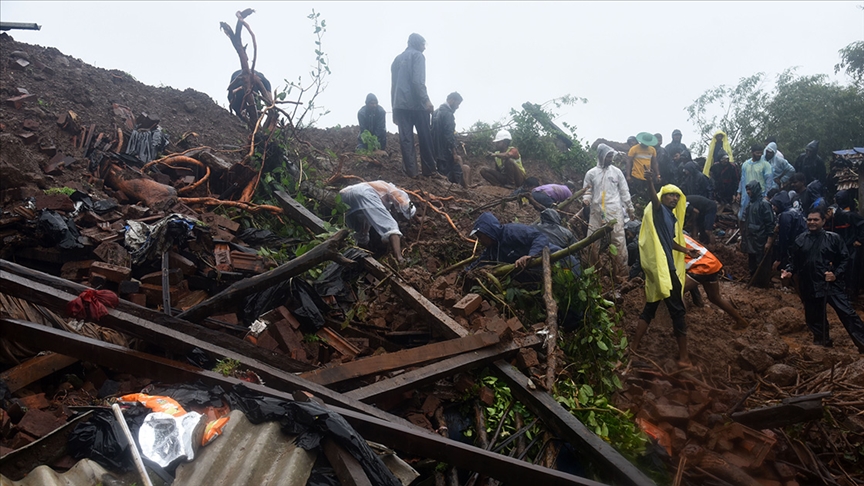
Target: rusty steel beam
[(397, 434)]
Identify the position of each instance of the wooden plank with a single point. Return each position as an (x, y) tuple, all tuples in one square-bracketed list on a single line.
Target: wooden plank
[(442, 369), (299, 213), (229, 297), (401, 359), (337, 342), (595, 449), (48, 285), (387, 429), (348, 470), (34, 369)]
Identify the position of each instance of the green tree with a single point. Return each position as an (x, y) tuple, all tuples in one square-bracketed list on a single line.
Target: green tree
[(852, 61), (735, 110)]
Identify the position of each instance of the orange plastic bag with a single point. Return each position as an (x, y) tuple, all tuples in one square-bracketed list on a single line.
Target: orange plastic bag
[(156, 403), (213, 430)]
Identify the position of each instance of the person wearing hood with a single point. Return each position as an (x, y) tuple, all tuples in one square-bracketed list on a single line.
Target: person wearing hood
[(372, 117), (550, 225), (661, 253), (412, 107), (790, 224), (849, 225), (665, 166), (754, 169), (694, 182), (782, 170), (444, 141), (608, 197), (370, 205), (720, 141), (819, 260), (675, 145), (514, 243), (811, 164), (726, 177), (757, 226)]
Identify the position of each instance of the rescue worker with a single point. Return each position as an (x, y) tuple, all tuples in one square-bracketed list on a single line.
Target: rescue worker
[(661, 252), (754, 169), (782, 170), (508, 169), (790, 224), (444, 142), (608, 197), (810, 164), (412, 107), (819, 259), (369, 207), (720, 141), (849, 225), (514, 243), (707, 270), (550, 225), (371, 117), (757, 227)]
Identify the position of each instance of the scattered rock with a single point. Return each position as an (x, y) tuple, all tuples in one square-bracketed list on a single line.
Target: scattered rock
[(786, 320), (755, 359), (781, 374)]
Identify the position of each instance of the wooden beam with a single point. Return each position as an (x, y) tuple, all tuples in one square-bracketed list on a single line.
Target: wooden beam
[(34, 369), (595, 449), (299, 213), (401, 359), (387, 429), (147, 365), (51, 287), (348, 470), (442, 369), (228, 298)]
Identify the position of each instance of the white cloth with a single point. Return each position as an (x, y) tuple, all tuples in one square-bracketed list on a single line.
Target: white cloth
[(609, 197)]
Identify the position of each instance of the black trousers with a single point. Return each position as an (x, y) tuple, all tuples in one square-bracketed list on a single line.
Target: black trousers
[(408, 120), (675, 306), (817, 320)]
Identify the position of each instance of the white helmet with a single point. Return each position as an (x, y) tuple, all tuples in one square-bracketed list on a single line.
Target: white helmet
[(502, 135)]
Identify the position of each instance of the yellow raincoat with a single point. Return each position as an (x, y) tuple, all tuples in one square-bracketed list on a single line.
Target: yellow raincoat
[(658, 281), (709, 159)]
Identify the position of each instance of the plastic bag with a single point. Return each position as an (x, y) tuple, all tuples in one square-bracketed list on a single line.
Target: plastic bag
[(167, 439), (102, 440), (92, 304), (62, 232), (159, 404)]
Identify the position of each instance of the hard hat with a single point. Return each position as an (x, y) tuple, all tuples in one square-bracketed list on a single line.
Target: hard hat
[(502, 135)]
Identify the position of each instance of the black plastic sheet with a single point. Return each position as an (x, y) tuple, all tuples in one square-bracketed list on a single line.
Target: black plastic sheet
[(332, 280), (61, 231), (101, 439)]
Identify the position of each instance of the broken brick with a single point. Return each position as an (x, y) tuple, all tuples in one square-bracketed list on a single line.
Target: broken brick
[(35, 402), (674, 414), (527, 358), (114, 273), (38, 423), (486, 395), (468, 304), (697, 430), (28, 137), (138, 299), (18, 101), (75, 271), (430, 405)]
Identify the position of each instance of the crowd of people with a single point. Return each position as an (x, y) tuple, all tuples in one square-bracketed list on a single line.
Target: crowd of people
[(783, 214)]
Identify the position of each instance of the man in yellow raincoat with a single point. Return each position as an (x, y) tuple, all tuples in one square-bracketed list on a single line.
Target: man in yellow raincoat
[(661, 251), (720, 141)]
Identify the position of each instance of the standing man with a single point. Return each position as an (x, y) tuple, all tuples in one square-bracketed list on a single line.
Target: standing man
[(718, 143), (665, 166), (675, 145), (412, 107), (608, 197), (811, 164), (661, 252), (371, 117), (790, 224), (444, 141), (819, 259), (756, 227), (754, 169), (640, 158), (725, 176), (781, 168), (508, 169)]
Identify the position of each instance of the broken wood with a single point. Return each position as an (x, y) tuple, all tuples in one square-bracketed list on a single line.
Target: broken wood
[(34, 369), (570, 428), (431, 373), (602, 231), (551, 322), (229, 298), (790, 411), (401, 359), (371, 423), (348, 470)]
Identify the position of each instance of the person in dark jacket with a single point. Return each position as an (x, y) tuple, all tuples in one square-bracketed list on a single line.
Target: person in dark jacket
[(819, 259), (849, 225), (726, 176), (694, 181), (665, 166), (444, 141), (676, 146), (514, 243), (236, 90), (372, 118), (812, 197), (412, 107), (758, 225), (550, 225), (700, 215), (790, 224), (811, 164)]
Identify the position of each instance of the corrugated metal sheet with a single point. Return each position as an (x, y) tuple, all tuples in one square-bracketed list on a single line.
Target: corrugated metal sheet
[(248, 454), (85, 472)]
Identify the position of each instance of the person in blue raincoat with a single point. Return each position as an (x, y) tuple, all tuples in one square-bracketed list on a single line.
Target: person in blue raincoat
[(781, 168), (757, 169)]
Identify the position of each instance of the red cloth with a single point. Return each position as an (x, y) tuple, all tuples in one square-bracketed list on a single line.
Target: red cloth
[(91, 304)]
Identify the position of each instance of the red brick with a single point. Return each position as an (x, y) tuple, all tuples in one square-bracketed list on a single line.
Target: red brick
[(674, 414), (35, 402), (55, 202), (464, 383), (468, 304), (138, 299), (527, 358), (38, 423), (113, 273), (430, 405), (76, 270), (487, 396)]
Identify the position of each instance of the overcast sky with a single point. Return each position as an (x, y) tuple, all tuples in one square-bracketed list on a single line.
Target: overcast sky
[(639, 64)]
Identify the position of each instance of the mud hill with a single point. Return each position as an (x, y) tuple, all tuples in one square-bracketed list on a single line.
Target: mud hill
[(55, 104)]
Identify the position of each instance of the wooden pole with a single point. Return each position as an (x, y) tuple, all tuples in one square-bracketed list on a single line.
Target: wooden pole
[(551, 322)]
